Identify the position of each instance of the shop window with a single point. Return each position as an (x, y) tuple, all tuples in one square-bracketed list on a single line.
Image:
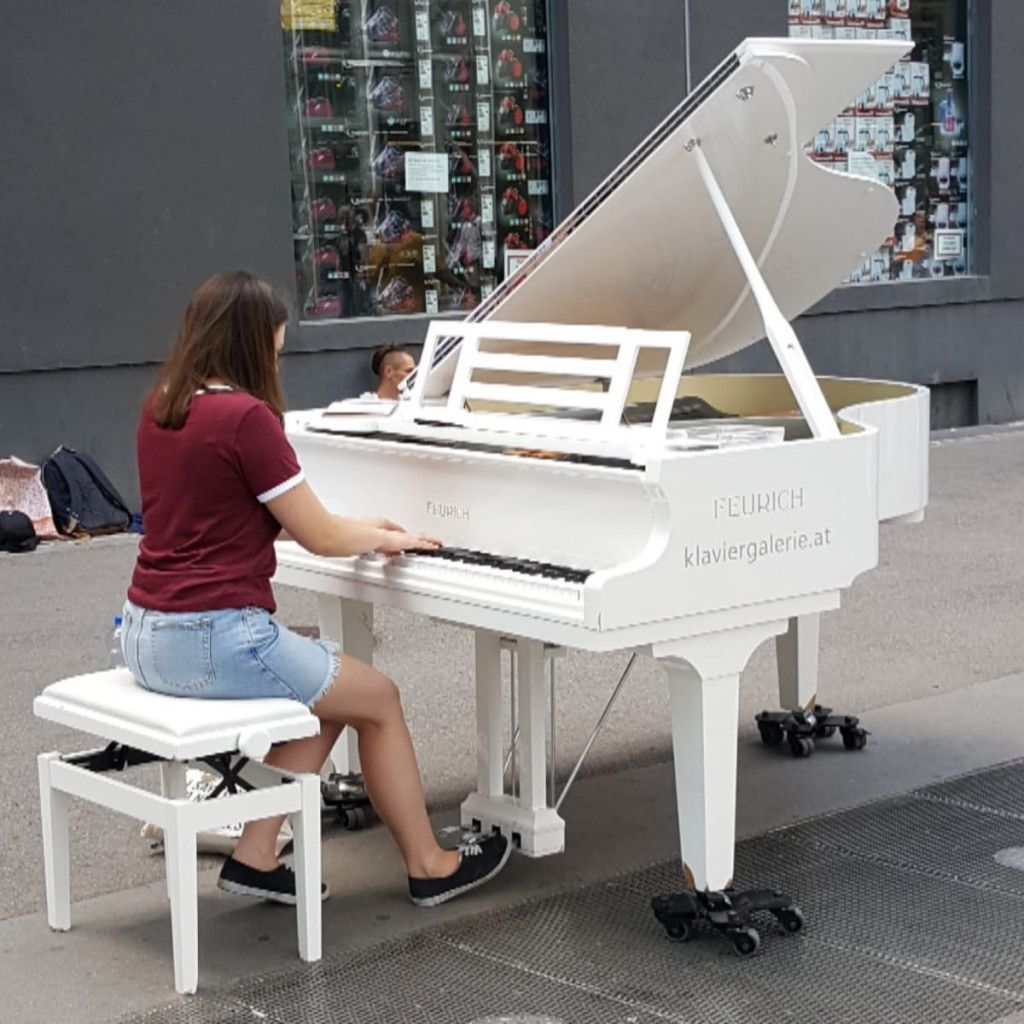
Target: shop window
[(909, 130), (420, 150)]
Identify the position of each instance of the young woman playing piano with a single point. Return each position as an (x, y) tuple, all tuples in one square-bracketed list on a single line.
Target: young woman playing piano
[(219, 482)]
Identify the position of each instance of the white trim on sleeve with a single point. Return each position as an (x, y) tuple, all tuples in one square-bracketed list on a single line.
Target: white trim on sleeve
[(276, 492)]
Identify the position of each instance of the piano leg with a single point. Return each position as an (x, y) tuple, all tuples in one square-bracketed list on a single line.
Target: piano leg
[(802, 721), (704, 714), (703, 683), (525, 815), (350, 625), (796, 652)]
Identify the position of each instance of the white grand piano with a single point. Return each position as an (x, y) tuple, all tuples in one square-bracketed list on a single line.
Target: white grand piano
[(542, 440)]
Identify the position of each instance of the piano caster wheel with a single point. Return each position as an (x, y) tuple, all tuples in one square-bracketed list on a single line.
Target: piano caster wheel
[(855, 739), (354, 818), (791, 919), (745, 941), (727, 912), (679, 931), (801, 746), (803, 728), (347, 795)]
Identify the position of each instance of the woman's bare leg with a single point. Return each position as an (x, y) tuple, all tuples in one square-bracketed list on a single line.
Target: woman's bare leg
[(368, 701), (257, 846)]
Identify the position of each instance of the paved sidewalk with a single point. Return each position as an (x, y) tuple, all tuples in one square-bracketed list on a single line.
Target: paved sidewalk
[(929, 648), (876, 885)]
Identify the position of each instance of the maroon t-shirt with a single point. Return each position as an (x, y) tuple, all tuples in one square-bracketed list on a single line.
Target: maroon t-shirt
[(209, 538)]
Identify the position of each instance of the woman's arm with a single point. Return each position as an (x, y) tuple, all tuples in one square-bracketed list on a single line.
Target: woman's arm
[(305, 520)]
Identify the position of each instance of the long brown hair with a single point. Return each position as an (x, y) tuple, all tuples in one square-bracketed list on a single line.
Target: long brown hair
[(227, 335)]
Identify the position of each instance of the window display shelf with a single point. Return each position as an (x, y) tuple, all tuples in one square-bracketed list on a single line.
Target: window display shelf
[(909, 130), (419, 145)]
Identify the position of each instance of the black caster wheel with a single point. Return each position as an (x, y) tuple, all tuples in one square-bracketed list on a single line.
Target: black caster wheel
[(745, 941), (823, 732), (791, 919), (680, 931), (855, 739), (801, 746), (771, 734), (352, 818)]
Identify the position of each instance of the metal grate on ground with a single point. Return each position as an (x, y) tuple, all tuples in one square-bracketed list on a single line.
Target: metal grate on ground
[(910, 919)]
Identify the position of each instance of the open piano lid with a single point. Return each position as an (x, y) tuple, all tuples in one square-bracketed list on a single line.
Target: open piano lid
[(647, 248)]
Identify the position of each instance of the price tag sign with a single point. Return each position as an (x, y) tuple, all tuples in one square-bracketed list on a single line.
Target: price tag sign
[(483, 70), (426, 214), (479, 22), (483, 116), (429, 259), (537, 188), (533, 46), (483, 158), (536, 117), (487, 208), (948, 244), (426, 172), (422, 27), (486, 290), (425, 74), (427, 120), (488, 252), (431, 297), (863, 164)]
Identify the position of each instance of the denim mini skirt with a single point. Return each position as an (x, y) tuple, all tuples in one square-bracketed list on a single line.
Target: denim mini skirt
[(228, 654)]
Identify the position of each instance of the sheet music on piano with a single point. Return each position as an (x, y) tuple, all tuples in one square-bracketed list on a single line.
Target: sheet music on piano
[(549, 439)]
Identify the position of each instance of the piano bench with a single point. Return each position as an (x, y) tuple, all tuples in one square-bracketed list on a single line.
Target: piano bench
[(227, 736)]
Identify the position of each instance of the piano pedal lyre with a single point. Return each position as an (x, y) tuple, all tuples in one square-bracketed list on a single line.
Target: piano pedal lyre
[(551, 653)]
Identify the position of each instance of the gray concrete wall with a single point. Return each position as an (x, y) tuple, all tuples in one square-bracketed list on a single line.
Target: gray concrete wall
[(143, 149), (142, 152)]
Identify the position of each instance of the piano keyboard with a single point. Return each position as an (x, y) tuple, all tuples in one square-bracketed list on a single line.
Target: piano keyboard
[(475, 577), (503, 563)]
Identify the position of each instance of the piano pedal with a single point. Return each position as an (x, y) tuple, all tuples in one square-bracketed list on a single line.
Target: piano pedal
[(346, 794), (802, 729), (728, 913)]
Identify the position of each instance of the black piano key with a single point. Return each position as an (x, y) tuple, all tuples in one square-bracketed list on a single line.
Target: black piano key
[(507, 563)]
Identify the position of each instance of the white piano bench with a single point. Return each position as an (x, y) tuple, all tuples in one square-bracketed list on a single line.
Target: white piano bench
[(228, 736)]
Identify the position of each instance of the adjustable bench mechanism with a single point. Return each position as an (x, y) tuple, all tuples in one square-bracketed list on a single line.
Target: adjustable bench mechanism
[(229, 774), (115, 757)]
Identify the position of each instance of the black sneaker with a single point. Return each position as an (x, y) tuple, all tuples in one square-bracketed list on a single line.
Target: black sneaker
[(277, 885), (482, 857)]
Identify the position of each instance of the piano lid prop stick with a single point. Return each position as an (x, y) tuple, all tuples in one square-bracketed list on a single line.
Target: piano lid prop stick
[(780, 334)]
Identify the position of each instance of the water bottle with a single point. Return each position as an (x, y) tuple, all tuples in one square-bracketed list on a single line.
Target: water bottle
[(116, 654)]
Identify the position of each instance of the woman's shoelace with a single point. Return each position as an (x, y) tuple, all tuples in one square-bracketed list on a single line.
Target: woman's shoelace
[(469, 842)]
